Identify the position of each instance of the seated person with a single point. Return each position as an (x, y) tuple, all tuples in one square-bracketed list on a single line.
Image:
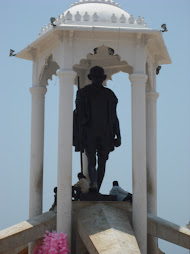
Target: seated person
[(121, 194), (82, 186)]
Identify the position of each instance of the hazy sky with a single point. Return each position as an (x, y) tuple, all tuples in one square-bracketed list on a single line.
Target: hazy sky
[(21, 22)]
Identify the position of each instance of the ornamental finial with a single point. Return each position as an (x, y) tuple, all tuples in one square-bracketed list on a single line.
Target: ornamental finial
[(110, 2)]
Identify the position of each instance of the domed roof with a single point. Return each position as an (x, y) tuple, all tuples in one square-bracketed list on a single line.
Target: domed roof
[(101, 11)]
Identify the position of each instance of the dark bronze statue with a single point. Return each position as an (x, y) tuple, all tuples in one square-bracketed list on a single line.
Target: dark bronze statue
[(96, 126)]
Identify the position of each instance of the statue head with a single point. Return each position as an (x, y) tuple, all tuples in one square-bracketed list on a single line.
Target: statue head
[(97, 75)]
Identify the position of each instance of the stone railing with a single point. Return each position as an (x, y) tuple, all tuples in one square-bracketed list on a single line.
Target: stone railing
[(78, 19)]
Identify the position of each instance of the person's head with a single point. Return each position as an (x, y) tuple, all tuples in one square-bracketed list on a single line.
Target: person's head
[(115, 183), (80, 176), (97, 75)]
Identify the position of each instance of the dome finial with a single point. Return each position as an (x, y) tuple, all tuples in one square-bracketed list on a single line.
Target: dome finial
[(111, 2)]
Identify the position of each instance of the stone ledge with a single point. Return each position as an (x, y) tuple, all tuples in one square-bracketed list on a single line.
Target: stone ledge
[(33, 229), (26, 231)]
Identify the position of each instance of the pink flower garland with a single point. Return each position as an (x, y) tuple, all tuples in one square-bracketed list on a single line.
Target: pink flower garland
[(53, 243)]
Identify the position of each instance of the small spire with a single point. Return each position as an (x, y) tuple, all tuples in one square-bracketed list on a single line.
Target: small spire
[(86, 17), (131, 19), (139, 20), (68, 16), (77, 16), (95, 17), (114, 18), (122, 19), (62, 17)]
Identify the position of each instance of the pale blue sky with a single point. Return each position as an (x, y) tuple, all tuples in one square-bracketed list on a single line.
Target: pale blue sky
[(21, 21)]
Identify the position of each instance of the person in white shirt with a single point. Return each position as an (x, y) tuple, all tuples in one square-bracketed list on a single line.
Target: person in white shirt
[(121, 194), (82, 186)]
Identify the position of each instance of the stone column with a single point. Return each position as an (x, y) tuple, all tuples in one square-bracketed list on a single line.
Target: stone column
[(151, 161), (37, 151), (65, 132), (138, 83)]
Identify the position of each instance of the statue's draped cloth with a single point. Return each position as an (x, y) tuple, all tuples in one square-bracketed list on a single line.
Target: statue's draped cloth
[(95, 119)]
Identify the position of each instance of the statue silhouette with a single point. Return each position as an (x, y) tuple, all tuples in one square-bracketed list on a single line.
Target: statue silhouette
[(96, 127)]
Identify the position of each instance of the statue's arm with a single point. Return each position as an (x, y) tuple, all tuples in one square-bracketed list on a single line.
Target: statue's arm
[(116, 125), (76, 123), (79, 121), (117, 141), (82, 106)]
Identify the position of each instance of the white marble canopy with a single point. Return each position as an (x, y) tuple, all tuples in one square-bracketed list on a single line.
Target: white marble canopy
[(89, 33)]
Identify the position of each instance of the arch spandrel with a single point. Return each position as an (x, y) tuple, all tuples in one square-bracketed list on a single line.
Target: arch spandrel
[(48, 70), (42, 57), (124, 45)]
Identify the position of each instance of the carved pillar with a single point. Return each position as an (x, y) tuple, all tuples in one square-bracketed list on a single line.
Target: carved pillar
[(65, 132), (151, 161), (138, 83), (151, 148), (37, 151)]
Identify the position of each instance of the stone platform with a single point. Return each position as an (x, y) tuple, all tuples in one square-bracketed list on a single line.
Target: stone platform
[(98, 224)]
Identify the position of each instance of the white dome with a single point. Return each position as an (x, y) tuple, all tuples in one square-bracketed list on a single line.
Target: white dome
[(96, 11)]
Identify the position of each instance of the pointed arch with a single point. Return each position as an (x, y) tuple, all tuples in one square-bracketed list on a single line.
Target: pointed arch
[(102, 56)]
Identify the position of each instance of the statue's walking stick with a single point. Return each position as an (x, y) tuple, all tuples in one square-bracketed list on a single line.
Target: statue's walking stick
[(81, 160)]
